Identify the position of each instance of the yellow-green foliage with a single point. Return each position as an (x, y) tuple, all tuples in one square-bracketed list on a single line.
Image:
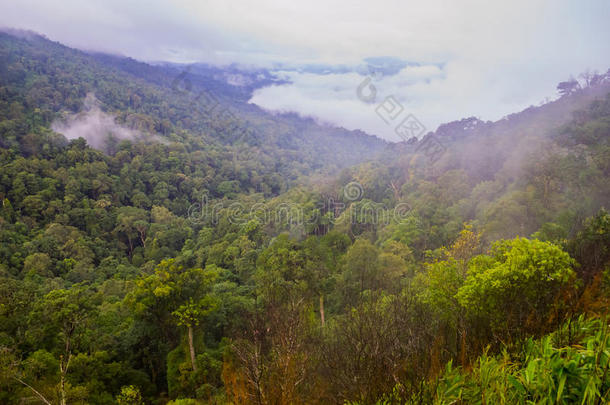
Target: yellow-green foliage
[(521, 277)]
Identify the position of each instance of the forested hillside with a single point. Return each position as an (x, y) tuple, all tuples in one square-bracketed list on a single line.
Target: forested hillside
[(187, 246)]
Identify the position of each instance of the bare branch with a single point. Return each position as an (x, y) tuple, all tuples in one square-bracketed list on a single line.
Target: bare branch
[(34, 390)]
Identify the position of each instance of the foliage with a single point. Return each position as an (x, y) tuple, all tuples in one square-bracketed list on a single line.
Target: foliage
[(544, 373), (517, 284), (129, 395), (218, 258)]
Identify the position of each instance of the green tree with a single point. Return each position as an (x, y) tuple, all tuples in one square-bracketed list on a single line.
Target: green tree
[(132, 223), (67, 312), (516, 286), (190, 315), (130, 395)]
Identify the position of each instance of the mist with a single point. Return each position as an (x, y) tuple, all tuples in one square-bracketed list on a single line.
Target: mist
[(477, 58), (98, 128)]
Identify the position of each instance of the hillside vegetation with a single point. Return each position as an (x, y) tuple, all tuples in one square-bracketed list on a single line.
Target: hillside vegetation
[(187, 247)]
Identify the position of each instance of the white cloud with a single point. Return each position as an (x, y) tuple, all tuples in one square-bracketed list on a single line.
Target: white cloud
[(496, 57)]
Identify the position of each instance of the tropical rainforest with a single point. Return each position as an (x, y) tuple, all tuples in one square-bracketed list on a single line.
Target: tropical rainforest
[(163, 241)]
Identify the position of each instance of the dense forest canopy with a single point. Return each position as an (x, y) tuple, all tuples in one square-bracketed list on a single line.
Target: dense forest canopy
[(163, 240)]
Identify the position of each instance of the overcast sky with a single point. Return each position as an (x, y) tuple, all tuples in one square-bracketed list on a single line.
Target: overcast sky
[(480, 58)]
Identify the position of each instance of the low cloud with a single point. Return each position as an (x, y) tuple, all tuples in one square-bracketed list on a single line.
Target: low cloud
[(97, 127), (494, 57), (433, 93)]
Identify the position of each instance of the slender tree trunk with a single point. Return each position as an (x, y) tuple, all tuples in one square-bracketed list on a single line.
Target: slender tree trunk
[(322, 309), (192, 348), (62, 390), (63, 369), (142, 233), (130, 246), (153, 371)]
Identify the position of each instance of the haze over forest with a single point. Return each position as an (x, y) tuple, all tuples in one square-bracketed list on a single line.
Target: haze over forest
[(443, 61), (346, 203)]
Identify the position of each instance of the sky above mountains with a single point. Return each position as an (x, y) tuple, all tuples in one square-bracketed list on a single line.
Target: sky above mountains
[(436, 60)]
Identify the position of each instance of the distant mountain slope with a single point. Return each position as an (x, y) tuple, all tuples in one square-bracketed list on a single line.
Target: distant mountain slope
[(482, 148), (163, 100), (541, 170)]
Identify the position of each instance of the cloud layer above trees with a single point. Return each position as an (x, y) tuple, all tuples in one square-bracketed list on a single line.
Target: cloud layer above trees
[(475, 58)]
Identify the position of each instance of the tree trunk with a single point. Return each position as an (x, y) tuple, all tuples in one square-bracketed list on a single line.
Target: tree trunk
[(64, 363), (142, 232), (130, 247), (322, 309), (62, 390), (192, 348)]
